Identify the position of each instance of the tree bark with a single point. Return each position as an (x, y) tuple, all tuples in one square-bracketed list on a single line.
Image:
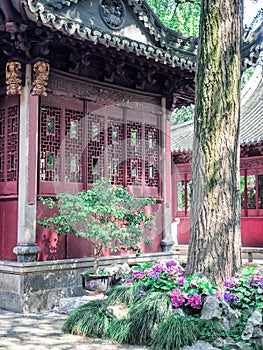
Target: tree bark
[(215, 241)]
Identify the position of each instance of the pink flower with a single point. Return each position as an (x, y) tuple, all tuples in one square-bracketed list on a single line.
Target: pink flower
[(195, 301), (177, 298)]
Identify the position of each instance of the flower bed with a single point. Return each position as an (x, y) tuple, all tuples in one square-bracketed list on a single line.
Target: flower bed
[(157, 299)]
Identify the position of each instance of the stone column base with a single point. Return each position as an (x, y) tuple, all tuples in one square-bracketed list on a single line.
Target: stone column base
[(167, 245), (26, 253)]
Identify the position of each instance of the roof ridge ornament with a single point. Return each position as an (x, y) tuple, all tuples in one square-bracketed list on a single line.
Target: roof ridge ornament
[(113, 13)]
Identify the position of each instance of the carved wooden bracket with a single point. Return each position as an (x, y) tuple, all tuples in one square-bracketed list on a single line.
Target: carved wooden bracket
[(13, 78), (41, 73)]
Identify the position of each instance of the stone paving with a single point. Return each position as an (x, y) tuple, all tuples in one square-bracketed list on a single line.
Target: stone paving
[(42, 331)]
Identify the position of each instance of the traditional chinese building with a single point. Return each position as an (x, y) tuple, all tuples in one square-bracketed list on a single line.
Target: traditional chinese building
[(86, 88), (251, 166)]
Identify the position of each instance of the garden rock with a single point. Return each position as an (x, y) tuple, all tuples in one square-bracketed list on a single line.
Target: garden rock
[(66, 305), (118, 270), (219, 311), (253, 326), (117, 311), (199, 345), (230, 343)]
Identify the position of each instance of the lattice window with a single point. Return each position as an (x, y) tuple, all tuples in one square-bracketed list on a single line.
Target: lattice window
[(116, 159), (134, 153), (50, 152), (12, 143), (73, 145), (151, 156), (95, 147)]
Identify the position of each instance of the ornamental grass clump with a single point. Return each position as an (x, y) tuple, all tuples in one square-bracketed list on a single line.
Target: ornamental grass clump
[(89, 320), (175, 332)]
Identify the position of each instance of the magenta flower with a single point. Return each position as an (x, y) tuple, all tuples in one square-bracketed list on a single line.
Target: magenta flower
[(195, 301), (177, 298), (128, 281), (175, 270), (138, 274), (159, 268)]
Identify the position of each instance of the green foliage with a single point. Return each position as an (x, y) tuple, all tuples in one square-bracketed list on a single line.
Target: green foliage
[(244, 291), (246, 76), (106, 215), (89, 320), (236, 331), (208, 330), (175, 332), (179, 15), (183, 114)]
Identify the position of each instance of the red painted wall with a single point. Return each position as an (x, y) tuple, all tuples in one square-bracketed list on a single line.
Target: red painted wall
[(8, 228), (251, 231)]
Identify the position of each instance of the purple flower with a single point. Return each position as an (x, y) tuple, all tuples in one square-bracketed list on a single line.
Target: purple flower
[(138, 274), (154, 276), (246, 263), (159, 268), (128, 281), (181, 281), (231, 282), (195, 301), (141, 292), (177, 298), (148, 270), (231, 298), (171, 263)]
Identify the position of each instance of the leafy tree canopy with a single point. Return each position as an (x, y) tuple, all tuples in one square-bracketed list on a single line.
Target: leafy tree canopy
[(180, 15), (184, 15)]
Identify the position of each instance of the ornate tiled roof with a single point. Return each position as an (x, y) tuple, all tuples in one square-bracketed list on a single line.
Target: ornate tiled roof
[(251, 116), (167, 46), (163, 45)]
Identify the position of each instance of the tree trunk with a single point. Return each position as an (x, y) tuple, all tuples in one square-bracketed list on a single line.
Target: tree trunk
[(215, 242), (96, 253)]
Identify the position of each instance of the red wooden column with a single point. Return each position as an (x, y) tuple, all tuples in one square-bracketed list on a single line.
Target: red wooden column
[(26, 249), (167, 241)]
